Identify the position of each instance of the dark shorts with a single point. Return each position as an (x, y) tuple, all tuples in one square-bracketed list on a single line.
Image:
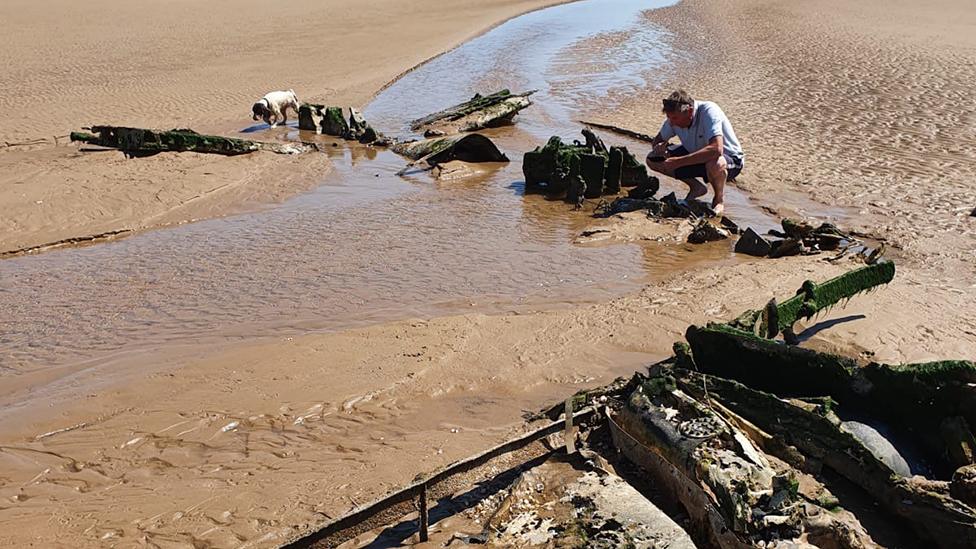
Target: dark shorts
[(698, 170)]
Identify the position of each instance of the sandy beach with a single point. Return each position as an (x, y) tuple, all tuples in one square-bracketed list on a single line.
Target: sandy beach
[(861, 111), (105, 62)]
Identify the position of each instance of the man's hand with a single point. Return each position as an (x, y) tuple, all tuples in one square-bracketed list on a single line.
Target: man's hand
[(660, 149), (666, 166)]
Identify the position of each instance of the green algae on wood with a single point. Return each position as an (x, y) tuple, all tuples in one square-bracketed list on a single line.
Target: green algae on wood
[(577, 170), (145, 141), (927, 506), (472, 147), (813, 298), (481, 111)]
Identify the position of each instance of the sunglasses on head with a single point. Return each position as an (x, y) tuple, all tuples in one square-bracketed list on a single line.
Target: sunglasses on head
[(673, 104)]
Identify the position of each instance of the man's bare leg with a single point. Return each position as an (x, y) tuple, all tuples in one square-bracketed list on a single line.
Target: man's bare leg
[(695, 188), (718, 174)]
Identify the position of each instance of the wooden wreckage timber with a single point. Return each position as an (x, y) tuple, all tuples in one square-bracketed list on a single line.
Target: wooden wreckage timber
[(739, 429), (479, 112), (584, 170), (141, 142), (448, 128)]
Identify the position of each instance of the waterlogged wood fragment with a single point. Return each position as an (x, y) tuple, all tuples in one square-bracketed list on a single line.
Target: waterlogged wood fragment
[(141, 141), (479, 112), (583, 170)]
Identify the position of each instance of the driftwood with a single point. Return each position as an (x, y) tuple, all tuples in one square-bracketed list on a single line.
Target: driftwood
[(479, 112), (141, 141)]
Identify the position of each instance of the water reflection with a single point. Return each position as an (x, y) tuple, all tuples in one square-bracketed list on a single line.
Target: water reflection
[(367, 245)]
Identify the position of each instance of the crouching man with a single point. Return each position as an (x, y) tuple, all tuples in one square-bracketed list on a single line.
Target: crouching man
[(709, 148)]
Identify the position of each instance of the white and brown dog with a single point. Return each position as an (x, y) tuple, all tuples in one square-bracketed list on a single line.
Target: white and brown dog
[(273, 107)]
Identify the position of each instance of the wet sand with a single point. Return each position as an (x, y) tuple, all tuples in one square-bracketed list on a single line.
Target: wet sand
[(244, 445), (158, 66)]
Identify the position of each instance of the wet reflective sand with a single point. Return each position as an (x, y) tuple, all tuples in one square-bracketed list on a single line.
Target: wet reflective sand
[(367, 245)]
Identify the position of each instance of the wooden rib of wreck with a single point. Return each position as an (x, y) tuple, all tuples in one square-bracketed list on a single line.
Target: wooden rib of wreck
[(813, 298), (327, 120), (738, 429), (798, 396), (479, 112), (797, 237), (141, 141), (584, 170), (733, 493)]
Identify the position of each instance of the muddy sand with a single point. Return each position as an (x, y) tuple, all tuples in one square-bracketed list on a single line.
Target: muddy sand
[(858, 106)]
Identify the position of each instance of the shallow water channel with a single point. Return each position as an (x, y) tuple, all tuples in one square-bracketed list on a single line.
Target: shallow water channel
[(367, 245)]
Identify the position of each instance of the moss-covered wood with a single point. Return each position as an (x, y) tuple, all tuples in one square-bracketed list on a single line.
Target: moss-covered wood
[(813, 298), (329, 121), (581, 170), (145, 141), (814, 430), (930, 404), (471, 147), (481, 111)]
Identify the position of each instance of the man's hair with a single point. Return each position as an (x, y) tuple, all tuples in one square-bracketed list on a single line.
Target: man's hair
[(678, 101)]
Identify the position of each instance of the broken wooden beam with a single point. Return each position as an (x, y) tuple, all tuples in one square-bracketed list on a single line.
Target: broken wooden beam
[(479, 112), (813, 298), (471, 147), (141, 141), (926, 506), (622, 131), (327, 120)]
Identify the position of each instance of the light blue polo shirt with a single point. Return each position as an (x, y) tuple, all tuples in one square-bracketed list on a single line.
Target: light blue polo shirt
[(707, 122)]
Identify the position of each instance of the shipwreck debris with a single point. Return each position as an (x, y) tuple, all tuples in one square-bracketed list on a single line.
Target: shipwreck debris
[(706, 232), (479, 112), (622, 131), (143, 142), (813, 298), (428, 154), (752, 243), (467, 148), (796, 238), (740, 431), (556, 505), (827, 407), (583, 170), (330, 121), (736, 495)]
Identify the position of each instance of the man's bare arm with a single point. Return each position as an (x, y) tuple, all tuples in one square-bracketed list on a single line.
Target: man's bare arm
[(658, 145), (708, 153)]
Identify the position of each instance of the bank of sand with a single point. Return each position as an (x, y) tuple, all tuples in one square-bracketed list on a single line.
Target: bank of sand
[(176, 65), (244, 445)]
